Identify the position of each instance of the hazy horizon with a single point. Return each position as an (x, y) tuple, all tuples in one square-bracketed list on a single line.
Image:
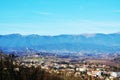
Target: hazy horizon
[(58, 34)]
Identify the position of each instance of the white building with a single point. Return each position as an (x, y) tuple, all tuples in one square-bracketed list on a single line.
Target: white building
[(115, 74), (81, 69)]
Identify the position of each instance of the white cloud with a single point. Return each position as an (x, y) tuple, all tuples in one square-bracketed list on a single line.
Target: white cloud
[(116, 11), (103, 23), (43, 13), (62, 27)]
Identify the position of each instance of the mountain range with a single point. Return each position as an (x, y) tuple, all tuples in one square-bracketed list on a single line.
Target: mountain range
[(62, 43)]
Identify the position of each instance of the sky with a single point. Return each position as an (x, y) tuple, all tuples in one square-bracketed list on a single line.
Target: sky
[(54, 17)]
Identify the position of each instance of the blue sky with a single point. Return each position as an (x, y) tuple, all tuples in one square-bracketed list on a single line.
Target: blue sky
[(54, 17)]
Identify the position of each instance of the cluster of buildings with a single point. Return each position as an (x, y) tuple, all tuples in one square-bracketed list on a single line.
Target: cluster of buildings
[(65, 68)]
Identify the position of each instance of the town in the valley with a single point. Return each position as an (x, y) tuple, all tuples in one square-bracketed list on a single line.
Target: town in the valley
[(83, 68)]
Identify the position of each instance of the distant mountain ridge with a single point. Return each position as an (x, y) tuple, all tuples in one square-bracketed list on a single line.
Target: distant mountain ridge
[(76, 43)]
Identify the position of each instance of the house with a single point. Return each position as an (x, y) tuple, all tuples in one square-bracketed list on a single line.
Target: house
[(115, 74), (81, 69)]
